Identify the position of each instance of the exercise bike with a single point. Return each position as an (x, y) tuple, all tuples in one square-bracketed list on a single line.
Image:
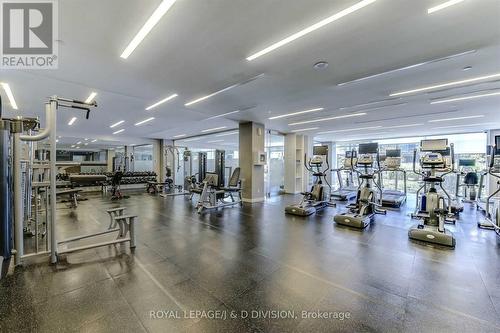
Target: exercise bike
[(368, 203), (433, 209), (491, 220), (319, 196)]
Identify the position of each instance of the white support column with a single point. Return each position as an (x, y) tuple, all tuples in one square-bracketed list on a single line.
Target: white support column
[(53, 174), (18, 206)]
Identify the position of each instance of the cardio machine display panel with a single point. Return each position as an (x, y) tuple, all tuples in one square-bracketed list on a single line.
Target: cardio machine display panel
[(440, 145), (320, 150), (368, 148), (393, 153)]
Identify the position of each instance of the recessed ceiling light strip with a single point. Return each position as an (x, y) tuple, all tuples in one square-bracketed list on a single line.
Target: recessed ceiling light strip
[(351, 130), (457, 118), (443, 6), (305, 129), (213, 129), (180, 135), (144, 121), (328, 118), (147, 27), (371, 103), (72, 121), (117, 124), (465, 125), (91, 97), (228, 133), (447, 84), (448, 100), (10, 95), (223, 115), (296, 113), (161, 102), (311, 28), (119, 131), (223, 90), (406, 68)]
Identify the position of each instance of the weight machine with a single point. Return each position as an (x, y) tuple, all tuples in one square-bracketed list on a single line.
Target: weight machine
[(491, 216), (13, 134)]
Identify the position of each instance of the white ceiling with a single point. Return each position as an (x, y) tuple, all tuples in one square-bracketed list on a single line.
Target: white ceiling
[(199, 47)]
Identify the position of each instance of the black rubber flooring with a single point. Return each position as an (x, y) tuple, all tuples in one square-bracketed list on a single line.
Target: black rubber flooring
[(258, 263)]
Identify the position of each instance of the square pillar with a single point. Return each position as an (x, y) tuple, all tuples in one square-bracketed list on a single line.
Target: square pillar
[(251, 145)]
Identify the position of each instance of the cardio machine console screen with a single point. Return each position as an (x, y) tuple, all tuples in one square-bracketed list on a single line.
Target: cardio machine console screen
[(440, 145), (393, 153), (433, 159), (368, 148), (320, 150)]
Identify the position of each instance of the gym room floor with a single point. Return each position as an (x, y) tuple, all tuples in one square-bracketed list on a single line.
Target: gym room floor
[(258, 258)]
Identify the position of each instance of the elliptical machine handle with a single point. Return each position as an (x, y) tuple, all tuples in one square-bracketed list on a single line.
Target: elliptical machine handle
[(452, 153), (414, 161), (492, 160)]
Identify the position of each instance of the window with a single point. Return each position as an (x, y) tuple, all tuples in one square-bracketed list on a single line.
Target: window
[(143, 158), (466, 146)]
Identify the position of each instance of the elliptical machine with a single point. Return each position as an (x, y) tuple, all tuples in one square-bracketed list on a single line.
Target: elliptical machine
[(491, 220), (433, 209), (319, 196), (368, 203)]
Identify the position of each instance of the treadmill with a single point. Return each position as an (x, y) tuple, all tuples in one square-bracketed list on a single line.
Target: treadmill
[(393, 197), (350, 190)]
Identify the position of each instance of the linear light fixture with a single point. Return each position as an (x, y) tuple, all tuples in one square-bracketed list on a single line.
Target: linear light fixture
[(392, 71), (95, 140), (351, 129), (73, 146), (311, 28), (72, 121), (448, 100), (119, 131), (193, 139), (457, 118), (466, 125), (91, 97), (79, 143), (147, 27), (117, 124), (404, 126), (381, 107), (305, 129), (223, 115), (162, 101), (296, 113), (179, 136), (213, 129), (371, 103), (447, 84), (223, 90), (329, 118), (86, 144), (443, 6), (144, 121), (215, 141), (10, 95), (226, 134)]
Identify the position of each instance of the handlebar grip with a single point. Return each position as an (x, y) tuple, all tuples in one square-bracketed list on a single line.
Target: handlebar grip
[(492, 161)]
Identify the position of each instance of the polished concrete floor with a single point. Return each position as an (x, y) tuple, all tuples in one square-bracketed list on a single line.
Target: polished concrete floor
[(257, 259)]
